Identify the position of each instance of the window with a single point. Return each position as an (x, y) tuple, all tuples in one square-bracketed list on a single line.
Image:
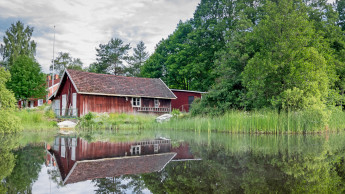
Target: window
[(40, 102), (135, 150), (156, 103), (155, 148), (136, 102)]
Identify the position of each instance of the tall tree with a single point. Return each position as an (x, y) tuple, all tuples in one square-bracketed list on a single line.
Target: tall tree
[(111, 57), (65, 61), (289, 61), (17, 41), (27, 79), (136, 61), (340, 7)]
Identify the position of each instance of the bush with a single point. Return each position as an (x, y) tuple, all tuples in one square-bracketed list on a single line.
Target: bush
[(9, 122)]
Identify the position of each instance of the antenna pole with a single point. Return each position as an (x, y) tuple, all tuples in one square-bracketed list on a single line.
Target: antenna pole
[(53, 61)]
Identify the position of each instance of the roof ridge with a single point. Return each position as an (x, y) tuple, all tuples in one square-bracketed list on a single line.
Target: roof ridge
[(110, 75)]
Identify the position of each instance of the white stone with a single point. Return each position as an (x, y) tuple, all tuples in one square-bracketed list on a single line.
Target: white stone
[(163, 118)]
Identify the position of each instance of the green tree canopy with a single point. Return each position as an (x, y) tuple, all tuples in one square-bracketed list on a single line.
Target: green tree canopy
[(17, 41), (27, 79), (65, 61), (136, 61), (111, 57)]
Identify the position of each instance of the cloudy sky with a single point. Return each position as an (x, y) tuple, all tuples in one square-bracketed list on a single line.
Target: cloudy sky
[(81, 25)]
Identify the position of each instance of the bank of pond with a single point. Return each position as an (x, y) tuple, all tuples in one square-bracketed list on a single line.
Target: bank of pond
[(234, 121), (187, 161)]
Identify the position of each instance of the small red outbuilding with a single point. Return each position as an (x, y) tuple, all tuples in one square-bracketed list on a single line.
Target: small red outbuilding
[(184, 99)]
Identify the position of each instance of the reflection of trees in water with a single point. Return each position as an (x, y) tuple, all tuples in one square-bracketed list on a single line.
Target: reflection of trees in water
[(28, 164), (301, 164), (7, 159), (120, 184), (110, 185), (54, 175)]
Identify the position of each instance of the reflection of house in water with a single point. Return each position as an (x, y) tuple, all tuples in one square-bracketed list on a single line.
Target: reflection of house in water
[(79, 160)]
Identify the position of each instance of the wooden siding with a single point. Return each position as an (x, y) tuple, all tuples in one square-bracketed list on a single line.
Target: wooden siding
[(66, 89), (100, 104), (112, 104), (181, 102)]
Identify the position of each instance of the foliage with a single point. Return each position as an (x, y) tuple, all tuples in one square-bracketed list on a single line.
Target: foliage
[(27, 80), (29, 161), (110, 57), (175, 112), (115, 121), (340, 7), (65, 61), (7, 100), (36, 119), (17, 41), (287, 57), (136, 61), (311, 120), (8, 122)]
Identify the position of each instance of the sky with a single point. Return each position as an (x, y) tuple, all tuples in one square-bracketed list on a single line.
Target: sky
[(81, 25)]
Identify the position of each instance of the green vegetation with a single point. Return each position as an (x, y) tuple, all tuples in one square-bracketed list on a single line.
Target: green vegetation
[(65, 60), (264, 121), (115, 121), (37, 119), (286, 56), (8, 122), (27, 80), (17, 42)]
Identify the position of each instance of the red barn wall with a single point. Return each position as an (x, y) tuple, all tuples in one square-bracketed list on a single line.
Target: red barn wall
[(68, 89), (181, 102), (100, 104)]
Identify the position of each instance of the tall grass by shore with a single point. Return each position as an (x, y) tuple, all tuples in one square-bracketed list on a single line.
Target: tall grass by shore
[(267, 121), (37, 118), (115, 121)]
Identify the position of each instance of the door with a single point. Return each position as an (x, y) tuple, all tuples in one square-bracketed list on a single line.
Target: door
[(64, 102), (31, 104), (74, 104), (57, 107)]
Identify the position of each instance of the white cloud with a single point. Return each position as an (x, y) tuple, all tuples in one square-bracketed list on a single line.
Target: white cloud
[(82, 25)]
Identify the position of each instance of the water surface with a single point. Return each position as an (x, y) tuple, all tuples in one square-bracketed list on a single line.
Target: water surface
[(171, 162)]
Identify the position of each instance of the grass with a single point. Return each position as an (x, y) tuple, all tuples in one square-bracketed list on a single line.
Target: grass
[(262, 122), (115, 121), (36, 119), (234, 121)]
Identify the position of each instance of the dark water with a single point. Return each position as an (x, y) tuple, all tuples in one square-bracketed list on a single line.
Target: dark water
[(171, 162)]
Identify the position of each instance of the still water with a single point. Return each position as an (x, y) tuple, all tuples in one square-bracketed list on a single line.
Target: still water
[(171, 162)]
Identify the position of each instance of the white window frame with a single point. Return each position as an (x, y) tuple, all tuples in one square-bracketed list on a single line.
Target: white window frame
[(136, 102), (74, 104), (137, 150), (156, 102), (40, 102)]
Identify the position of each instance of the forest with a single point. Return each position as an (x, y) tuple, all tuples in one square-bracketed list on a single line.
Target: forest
[(255, 54)]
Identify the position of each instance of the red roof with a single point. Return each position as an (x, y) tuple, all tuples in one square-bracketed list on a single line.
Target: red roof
[(105, 84), (111, 167)]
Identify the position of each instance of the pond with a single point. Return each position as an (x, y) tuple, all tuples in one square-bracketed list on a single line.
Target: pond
[(171, 162)]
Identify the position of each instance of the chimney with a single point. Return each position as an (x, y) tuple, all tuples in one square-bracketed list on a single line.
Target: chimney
[(56, 76), (49, 78)]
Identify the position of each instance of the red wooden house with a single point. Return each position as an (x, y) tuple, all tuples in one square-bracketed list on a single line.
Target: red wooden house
[(184, 99), (79, 160), (82, 92)]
